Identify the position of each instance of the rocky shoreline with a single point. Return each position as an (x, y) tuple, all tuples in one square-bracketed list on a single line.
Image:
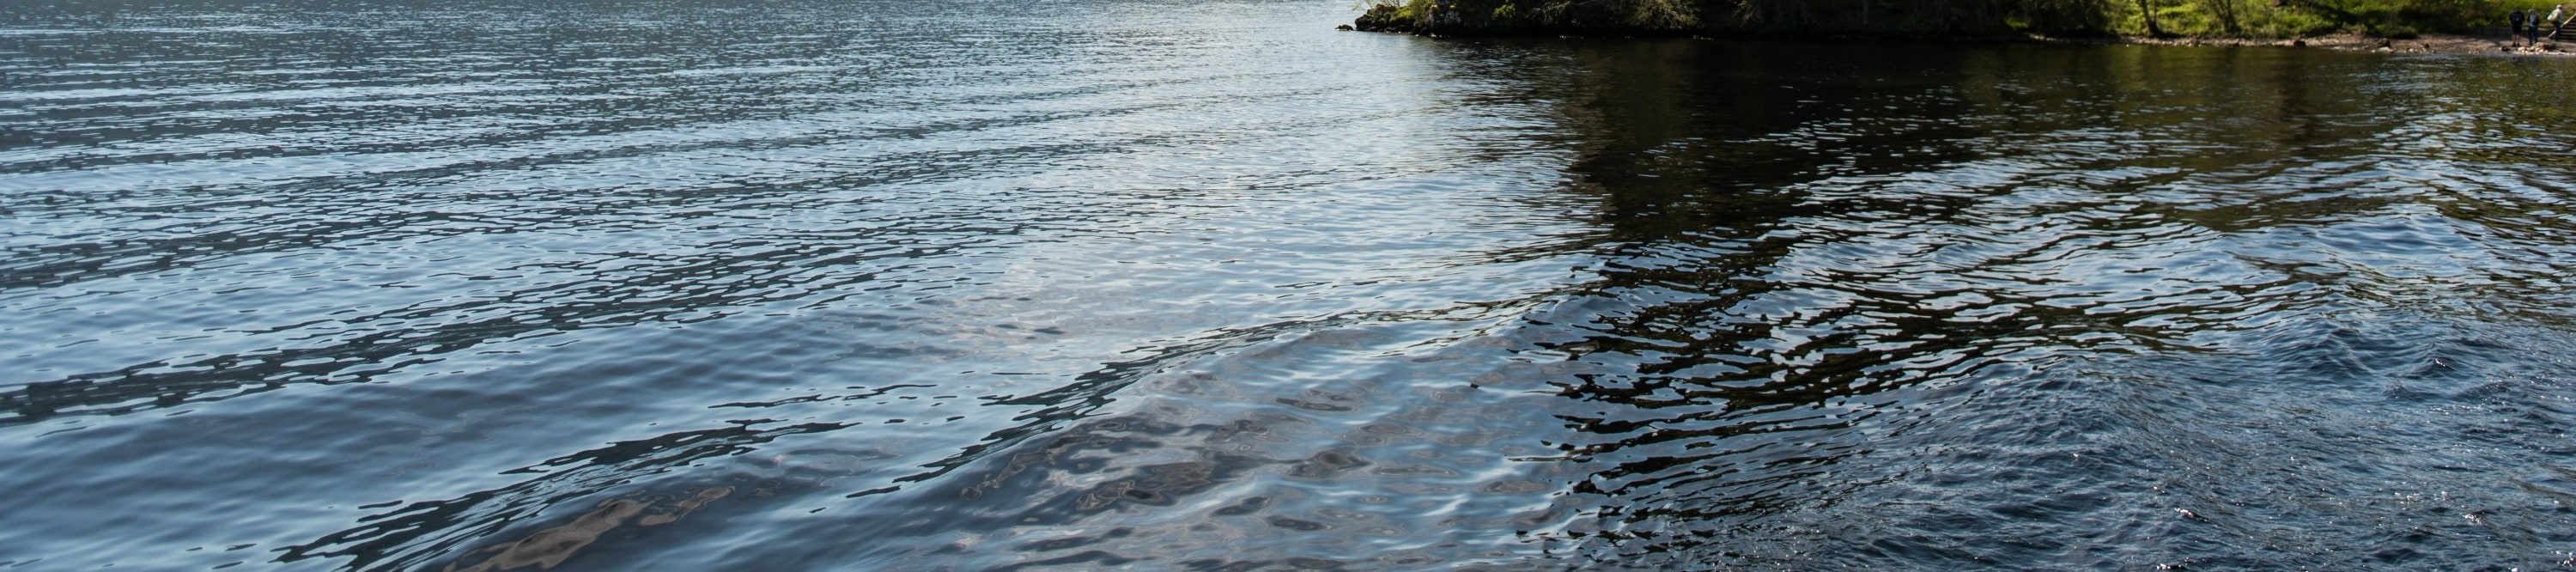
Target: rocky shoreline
[(1385, 18), (2487, 44), (2484, 44)]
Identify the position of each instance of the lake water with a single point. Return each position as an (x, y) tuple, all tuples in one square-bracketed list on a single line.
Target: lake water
[(1135, 284)]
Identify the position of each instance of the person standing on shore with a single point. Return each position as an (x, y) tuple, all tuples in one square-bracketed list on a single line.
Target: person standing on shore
[(2557, 17), (2518, 18)]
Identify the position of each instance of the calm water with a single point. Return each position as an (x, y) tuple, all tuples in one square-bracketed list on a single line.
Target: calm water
[(988, 285)]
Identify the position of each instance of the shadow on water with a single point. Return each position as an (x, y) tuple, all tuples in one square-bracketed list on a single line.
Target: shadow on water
[(1932, 307)]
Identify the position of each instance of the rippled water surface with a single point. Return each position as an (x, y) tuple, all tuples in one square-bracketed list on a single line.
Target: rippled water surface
[(1081, 284)]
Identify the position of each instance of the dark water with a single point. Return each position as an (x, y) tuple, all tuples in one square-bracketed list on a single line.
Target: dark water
[(984, 285)]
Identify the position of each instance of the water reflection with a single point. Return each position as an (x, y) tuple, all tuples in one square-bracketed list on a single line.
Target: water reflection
[(1850, 286), (888, 285)]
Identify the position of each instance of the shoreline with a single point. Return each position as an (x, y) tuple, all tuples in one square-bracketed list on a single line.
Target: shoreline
[(2482, 44), (2497, 44)]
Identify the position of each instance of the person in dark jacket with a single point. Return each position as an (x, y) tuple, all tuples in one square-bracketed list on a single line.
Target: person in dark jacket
[(2518, 18)]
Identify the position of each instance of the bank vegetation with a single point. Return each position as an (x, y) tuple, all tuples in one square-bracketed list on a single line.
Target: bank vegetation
[(1946, 18)]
